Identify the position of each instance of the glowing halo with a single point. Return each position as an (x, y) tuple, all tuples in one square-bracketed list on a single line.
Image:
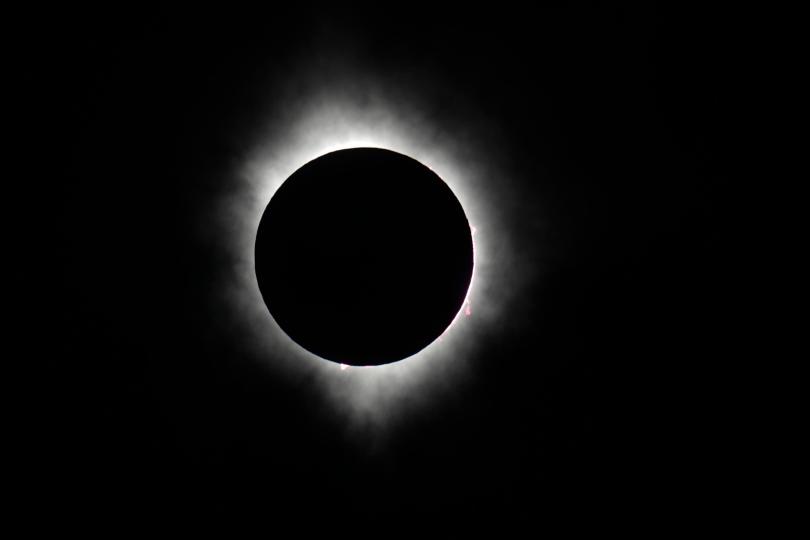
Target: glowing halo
[(334, 117)]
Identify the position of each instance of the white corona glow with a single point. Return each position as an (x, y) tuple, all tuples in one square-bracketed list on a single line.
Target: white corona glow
[(335, 116)]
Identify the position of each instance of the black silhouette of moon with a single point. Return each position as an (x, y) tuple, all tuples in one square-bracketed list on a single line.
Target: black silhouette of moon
[(364, 256)]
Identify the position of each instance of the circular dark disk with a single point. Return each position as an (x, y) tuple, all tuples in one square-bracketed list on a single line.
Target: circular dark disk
[(364, 256)]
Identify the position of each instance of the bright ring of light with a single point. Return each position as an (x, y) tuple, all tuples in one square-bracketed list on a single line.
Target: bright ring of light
[(336, 117)]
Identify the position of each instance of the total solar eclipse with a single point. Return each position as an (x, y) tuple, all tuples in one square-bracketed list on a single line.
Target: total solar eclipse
[(364, 256)]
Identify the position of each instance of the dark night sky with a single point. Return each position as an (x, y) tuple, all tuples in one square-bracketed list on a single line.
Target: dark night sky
[(597, 394)]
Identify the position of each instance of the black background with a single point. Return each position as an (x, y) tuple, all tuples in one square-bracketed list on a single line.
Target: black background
[(608, 401)]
